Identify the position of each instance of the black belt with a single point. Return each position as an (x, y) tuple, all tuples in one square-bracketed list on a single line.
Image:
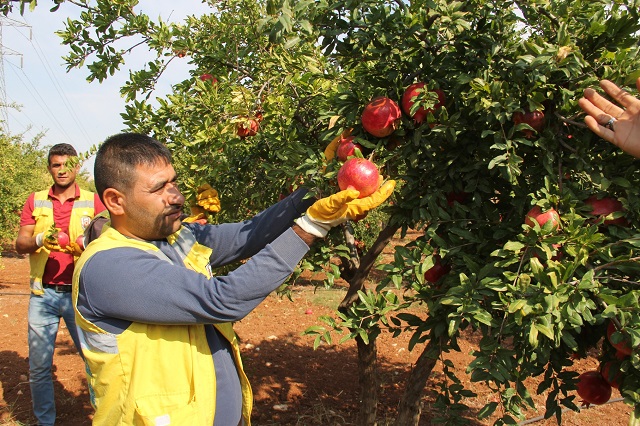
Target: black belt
[(59, 288)]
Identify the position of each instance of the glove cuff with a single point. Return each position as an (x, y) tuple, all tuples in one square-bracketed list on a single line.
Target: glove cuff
[(40, 239), (313, 227)]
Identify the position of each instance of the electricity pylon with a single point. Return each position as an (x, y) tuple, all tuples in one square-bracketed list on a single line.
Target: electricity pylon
[(5, 51)]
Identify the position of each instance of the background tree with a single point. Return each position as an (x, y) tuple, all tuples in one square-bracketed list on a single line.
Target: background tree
[(537, 294), (23, 169)]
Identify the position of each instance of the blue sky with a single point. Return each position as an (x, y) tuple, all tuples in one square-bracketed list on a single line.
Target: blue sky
[(61, 104)]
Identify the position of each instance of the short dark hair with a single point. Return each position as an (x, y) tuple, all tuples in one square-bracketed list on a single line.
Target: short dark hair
[(120, 154), (61, 149)]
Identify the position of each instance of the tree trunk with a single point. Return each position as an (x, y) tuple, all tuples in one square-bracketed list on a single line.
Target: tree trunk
[(409, 409), (368, 377), (356, 283), (349, 266), (367, 353)]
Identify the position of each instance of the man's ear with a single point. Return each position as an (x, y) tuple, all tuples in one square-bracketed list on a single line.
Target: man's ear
[(113, 201)]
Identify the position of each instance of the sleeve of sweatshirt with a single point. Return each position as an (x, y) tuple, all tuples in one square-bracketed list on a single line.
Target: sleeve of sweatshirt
[(235, 241), (147, 289)]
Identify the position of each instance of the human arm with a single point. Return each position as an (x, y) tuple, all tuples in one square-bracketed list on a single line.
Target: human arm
[(144, 288), (27, 242), (625, 130), (231, 242)]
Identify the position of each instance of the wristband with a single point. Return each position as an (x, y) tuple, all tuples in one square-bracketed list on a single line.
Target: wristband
[(40, 239)]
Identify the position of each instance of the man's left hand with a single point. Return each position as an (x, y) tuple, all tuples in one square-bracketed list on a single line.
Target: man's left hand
[(207, 198), (73, 248)]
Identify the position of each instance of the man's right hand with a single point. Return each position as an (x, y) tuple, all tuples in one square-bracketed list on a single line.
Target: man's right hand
[(619, 122), (340, 207), (50, 240)]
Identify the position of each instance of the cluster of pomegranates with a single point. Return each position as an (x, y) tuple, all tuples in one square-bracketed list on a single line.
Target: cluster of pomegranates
[(382, 115), (380, 118), (595, 386)]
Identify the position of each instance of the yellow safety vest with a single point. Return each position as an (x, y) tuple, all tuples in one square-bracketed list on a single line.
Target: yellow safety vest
[(81, 214), (153, 374)]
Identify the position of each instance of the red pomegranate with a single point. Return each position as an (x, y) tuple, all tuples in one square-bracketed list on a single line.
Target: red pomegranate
[(535, 119), (610, 371), (593, 388), (437, 271), (624, 345), (63, 239), (347, 148), (208, 77), (380, 117), (360, 174), (407, 102), (605, 206), (247, 128), (541, 217)]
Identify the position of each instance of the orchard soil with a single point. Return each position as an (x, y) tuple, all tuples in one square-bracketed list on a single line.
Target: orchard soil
[(293, 383)]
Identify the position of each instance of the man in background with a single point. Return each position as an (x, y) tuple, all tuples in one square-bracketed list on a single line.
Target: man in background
[(63, 208)]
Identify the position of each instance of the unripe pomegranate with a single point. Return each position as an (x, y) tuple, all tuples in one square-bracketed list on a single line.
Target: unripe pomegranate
[(359, 174), (380, 117)]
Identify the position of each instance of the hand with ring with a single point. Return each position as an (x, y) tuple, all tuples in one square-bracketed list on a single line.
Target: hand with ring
[(617, 123)]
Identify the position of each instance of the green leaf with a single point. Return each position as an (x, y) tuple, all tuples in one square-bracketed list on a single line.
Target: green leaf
[(487, 410)]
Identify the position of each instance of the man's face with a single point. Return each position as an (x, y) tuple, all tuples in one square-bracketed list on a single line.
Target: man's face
[(62, 175), (153, 206)]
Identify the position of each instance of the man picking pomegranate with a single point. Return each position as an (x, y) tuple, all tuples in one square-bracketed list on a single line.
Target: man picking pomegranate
[(155, 323)]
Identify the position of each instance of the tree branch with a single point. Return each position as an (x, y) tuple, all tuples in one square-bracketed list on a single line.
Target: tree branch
[(366, 264)]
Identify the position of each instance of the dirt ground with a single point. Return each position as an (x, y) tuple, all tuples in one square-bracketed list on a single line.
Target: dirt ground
[(292, 383)]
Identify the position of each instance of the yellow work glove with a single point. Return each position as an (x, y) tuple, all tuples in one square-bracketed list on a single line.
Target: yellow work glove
[(74, 249), (207, 198), (345, 205), (50, 241), (200, 218)]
